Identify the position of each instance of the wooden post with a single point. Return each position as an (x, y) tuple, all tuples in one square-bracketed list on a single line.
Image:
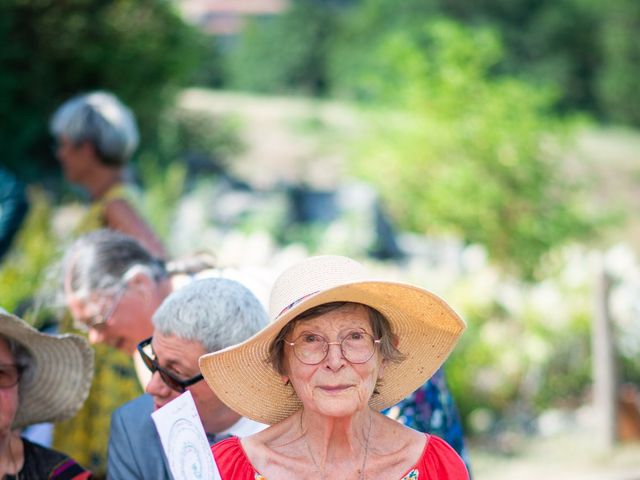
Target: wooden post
[(603, 361)]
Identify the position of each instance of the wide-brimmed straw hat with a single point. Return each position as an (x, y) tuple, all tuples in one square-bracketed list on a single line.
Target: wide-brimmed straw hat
[(60, 375), (427, 330)]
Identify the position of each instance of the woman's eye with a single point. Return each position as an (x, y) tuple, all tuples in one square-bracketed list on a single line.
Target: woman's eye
[(176, 374), (311, 338), (355, 336)]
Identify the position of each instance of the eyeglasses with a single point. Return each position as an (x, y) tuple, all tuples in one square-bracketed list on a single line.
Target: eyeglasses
[(9, 375), (312, 348), (167, 377), (99, 321)]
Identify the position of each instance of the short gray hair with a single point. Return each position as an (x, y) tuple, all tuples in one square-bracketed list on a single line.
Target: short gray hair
[(103, 120), (99, 261), (216, 312)]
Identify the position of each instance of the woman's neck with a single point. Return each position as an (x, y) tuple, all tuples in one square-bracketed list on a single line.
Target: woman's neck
[(220, 420), (102, 180), (334, 441), (11, 454)]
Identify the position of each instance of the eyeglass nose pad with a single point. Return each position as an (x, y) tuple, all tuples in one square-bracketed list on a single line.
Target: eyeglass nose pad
[(339, 348)]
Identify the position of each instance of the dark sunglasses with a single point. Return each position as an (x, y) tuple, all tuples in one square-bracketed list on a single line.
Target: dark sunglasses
[(167, 377)]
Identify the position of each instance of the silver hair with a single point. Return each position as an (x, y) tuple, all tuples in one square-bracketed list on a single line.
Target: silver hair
[(216, 312), (102, 259), (103, 120)]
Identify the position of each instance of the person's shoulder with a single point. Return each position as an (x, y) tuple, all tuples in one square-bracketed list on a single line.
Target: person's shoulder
[(231, 460), (441, 458), (54, 464), (140, 408)]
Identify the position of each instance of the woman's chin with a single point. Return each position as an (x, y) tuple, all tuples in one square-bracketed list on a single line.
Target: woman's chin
[(338, 407)]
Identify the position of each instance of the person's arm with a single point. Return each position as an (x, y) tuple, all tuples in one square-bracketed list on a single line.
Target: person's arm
[(121, 464), (120, 215)]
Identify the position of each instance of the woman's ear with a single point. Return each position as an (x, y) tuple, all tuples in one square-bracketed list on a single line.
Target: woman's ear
[(142, 282), (285, 380)]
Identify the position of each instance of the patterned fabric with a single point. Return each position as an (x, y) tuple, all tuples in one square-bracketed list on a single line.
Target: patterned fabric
[(85, 436), (412, 475), (431, 409), (43, 463)]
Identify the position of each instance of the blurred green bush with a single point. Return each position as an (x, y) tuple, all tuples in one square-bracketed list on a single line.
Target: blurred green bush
[(35, 249), (586, 50), (457, 150)]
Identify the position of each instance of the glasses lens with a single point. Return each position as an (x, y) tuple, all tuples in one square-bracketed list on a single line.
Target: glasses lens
[(146, 353), (148, 362), (310, 348), (171, 382), (358, 347), (108, 308), (9, 376)]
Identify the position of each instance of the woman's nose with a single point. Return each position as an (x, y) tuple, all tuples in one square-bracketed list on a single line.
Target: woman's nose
[(335, 359)]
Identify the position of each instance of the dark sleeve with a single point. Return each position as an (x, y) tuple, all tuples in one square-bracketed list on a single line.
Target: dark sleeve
[(13, 209), (121, 464), (42, 462)]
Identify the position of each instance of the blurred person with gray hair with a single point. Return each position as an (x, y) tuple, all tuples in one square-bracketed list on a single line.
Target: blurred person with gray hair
[(204, 316), (96, 135)]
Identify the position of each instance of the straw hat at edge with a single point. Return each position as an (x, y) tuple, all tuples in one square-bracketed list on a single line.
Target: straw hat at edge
[(426, 326), (60, 377)]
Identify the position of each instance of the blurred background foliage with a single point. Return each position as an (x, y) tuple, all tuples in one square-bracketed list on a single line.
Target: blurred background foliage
[(468, 109)]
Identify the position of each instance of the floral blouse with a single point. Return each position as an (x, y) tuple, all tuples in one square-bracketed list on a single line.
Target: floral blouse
[(431, 409)]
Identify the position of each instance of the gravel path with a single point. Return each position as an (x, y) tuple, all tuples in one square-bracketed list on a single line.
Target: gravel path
[(568, 457)]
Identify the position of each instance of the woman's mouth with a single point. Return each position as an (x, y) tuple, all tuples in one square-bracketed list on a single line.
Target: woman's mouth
[(335, 388)]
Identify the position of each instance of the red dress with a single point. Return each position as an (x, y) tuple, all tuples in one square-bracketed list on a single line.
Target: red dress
[(438, 462)]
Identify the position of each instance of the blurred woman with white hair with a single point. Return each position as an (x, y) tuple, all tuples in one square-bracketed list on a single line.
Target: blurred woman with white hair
[(96, 136)]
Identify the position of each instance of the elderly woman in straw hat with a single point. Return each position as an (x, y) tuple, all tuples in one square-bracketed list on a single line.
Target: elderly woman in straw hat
[(43, 378), (340, 348)]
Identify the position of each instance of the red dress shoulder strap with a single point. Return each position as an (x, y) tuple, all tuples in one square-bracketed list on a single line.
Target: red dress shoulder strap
[(440, 462), (231, 460)]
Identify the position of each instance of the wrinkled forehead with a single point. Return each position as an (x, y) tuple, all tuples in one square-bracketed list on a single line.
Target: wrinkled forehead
[(333, 317)]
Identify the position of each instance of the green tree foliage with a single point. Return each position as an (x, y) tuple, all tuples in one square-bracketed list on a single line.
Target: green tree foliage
[(140, 49), (458, 150), (584, 49), (287, 53), (618, 80)]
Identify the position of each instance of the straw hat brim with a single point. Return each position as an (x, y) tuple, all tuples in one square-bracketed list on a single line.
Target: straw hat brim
[(427, 329), (60, 377)]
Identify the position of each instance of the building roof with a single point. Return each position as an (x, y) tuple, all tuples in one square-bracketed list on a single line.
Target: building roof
[(226, 17)]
